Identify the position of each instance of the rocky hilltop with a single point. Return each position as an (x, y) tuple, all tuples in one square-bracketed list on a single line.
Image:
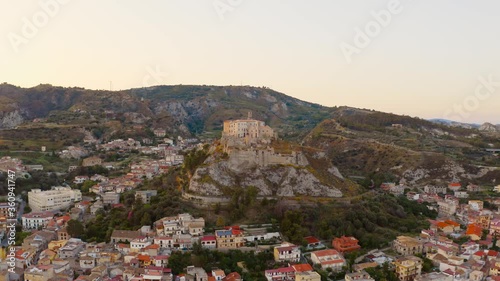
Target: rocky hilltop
[(250, 154), (218, 178), (488, 127)]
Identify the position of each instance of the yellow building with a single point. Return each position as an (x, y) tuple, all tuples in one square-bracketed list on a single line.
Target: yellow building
[(241, 128), (56, 244), (408, 268), (230, 238), (405, 245), (307, 276)]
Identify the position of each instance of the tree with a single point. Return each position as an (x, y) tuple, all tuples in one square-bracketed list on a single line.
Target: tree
[(292, 226), (220, 222), (146, 219), (74, 228), (87, 185)]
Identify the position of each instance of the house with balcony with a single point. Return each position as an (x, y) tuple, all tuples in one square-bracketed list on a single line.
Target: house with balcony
[(408, 268), (405, 245), (328, 259), (345, 244), (287, 252), (230, 238)]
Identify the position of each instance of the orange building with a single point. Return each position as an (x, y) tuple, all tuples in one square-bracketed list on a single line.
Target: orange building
[(345, 244), (474, 231)]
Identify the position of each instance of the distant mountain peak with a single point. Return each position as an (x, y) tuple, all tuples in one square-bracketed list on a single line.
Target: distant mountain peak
[(488, 127)]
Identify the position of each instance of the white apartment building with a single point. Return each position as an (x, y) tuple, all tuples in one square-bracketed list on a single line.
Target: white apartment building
[(52, 200), (180, 224), (36, 220)]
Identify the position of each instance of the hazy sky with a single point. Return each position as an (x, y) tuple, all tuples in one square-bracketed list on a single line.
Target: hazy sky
[(420, 58)]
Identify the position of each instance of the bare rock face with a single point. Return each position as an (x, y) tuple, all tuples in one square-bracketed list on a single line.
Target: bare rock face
[(11, 119), (218, 179), (488, 127), (449, 171)]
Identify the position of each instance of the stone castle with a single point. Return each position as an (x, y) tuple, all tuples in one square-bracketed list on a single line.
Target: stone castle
[(248, 143)]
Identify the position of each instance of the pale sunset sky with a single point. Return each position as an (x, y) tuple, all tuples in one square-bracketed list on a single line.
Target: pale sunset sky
[(431, 59)]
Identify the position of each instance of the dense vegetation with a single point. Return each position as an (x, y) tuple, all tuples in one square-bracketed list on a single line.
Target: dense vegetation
[(253, 263), (375, 220)]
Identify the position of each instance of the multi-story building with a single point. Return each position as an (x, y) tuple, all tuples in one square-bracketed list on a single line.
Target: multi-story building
[(249, 129), (110, 198), (328, 259), (180, 224), (435, 189), (52, 200), (484, 220), (345, 244), (209, 242), (36, 220), (230, 238), (405, 245), (124, 235), (289, 273), (71, 249), (145, 195), (4, 209), (139, 243), (408, 268), (448, 208), (287, 252), (476, 205), (39, 273), (495, 227)]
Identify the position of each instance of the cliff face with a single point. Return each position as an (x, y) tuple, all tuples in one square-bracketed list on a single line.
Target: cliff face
[(11, 119), (217, 178), (488, 127)]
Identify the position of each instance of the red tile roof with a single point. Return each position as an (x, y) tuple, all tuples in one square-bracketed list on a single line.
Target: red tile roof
[(233, 276), (474, 229), (312, 240), (323, 253), (208, 238), (302, 267), (454, 223)]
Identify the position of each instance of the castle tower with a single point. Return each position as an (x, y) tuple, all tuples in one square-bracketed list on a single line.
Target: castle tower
[(250, 115)]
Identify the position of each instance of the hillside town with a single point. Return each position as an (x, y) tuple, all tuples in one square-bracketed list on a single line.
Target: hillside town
[(460, 244)]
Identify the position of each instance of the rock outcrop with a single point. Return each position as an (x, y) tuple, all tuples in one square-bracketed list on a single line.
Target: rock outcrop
[(218, 178)]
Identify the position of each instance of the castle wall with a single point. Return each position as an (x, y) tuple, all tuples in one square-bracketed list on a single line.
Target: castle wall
[(265, 157)]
